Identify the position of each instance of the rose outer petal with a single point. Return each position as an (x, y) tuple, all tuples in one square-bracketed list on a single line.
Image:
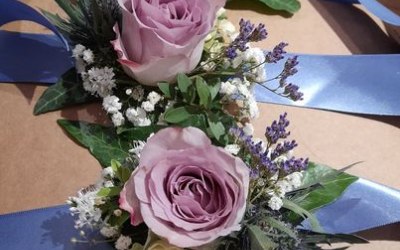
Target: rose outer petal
[(129, 202)]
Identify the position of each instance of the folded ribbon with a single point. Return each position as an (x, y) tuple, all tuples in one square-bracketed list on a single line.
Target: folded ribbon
[(377, 9)]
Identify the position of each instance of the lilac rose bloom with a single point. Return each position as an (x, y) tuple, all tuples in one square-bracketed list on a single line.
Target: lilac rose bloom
[(186, 190), (160, 38)]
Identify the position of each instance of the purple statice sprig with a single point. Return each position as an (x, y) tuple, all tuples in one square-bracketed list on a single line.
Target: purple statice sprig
[(267, 161), (247, 33), (284, 89), (260, 162), (277, 130), (277, 53)]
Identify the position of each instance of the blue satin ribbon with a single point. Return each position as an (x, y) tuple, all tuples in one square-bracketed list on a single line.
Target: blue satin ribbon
[(367, 84), (32, 58), (377, 9), (41, 229), (362, 206), (13, 10), (364, 84)]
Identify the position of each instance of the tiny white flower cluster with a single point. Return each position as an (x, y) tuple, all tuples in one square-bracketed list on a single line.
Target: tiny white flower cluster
[(84, 205), (254, 58), (138, 115), (82, 57), (239, 91), (112, 105), (283, 186), (123, 242), (97, 81)]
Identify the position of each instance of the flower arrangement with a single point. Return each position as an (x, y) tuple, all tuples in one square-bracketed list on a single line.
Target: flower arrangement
[(182, 168)]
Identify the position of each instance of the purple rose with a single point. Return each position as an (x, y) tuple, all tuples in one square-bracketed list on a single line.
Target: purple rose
[(161, 38), (185, 189)]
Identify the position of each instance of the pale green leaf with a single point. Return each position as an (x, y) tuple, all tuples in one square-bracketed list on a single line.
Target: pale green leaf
[(291, 6), (203, 92), (183, 83), (176, 115), (258, 239)]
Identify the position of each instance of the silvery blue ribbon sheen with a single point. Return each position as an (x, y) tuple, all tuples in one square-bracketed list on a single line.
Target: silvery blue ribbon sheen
[(364, 84), (362, 206), (377, 9)]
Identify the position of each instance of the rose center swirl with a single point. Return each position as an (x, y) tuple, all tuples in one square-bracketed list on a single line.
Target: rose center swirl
[(195, 193)]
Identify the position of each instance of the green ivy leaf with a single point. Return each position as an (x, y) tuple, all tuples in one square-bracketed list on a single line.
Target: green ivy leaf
[(67, 91), (258, 239), (203, 92), (137, 133), (290, 6), (102, 142), (177, 115)]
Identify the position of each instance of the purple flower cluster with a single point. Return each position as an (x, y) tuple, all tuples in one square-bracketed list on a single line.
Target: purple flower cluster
[(283, 148), (247, 33), (256, 151), (277, 130), (294, 165), (292, 91), (277, 53), (262, 161)]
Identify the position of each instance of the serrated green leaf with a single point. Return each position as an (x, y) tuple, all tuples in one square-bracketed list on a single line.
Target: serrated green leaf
[(195, 120), (166, 89), (290, 6), (214, 90), (67, 91), (183, 83), (258, 239), (203, 92), (177, 115), (109, 191), (101, 141), (217, 128)]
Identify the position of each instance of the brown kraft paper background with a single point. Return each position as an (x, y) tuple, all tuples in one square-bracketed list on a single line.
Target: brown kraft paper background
[(40, 166)]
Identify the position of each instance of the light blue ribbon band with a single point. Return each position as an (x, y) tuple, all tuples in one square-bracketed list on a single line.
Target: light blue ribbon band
[(377, 9), (362, 206), (42, 229), (364, 84)]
